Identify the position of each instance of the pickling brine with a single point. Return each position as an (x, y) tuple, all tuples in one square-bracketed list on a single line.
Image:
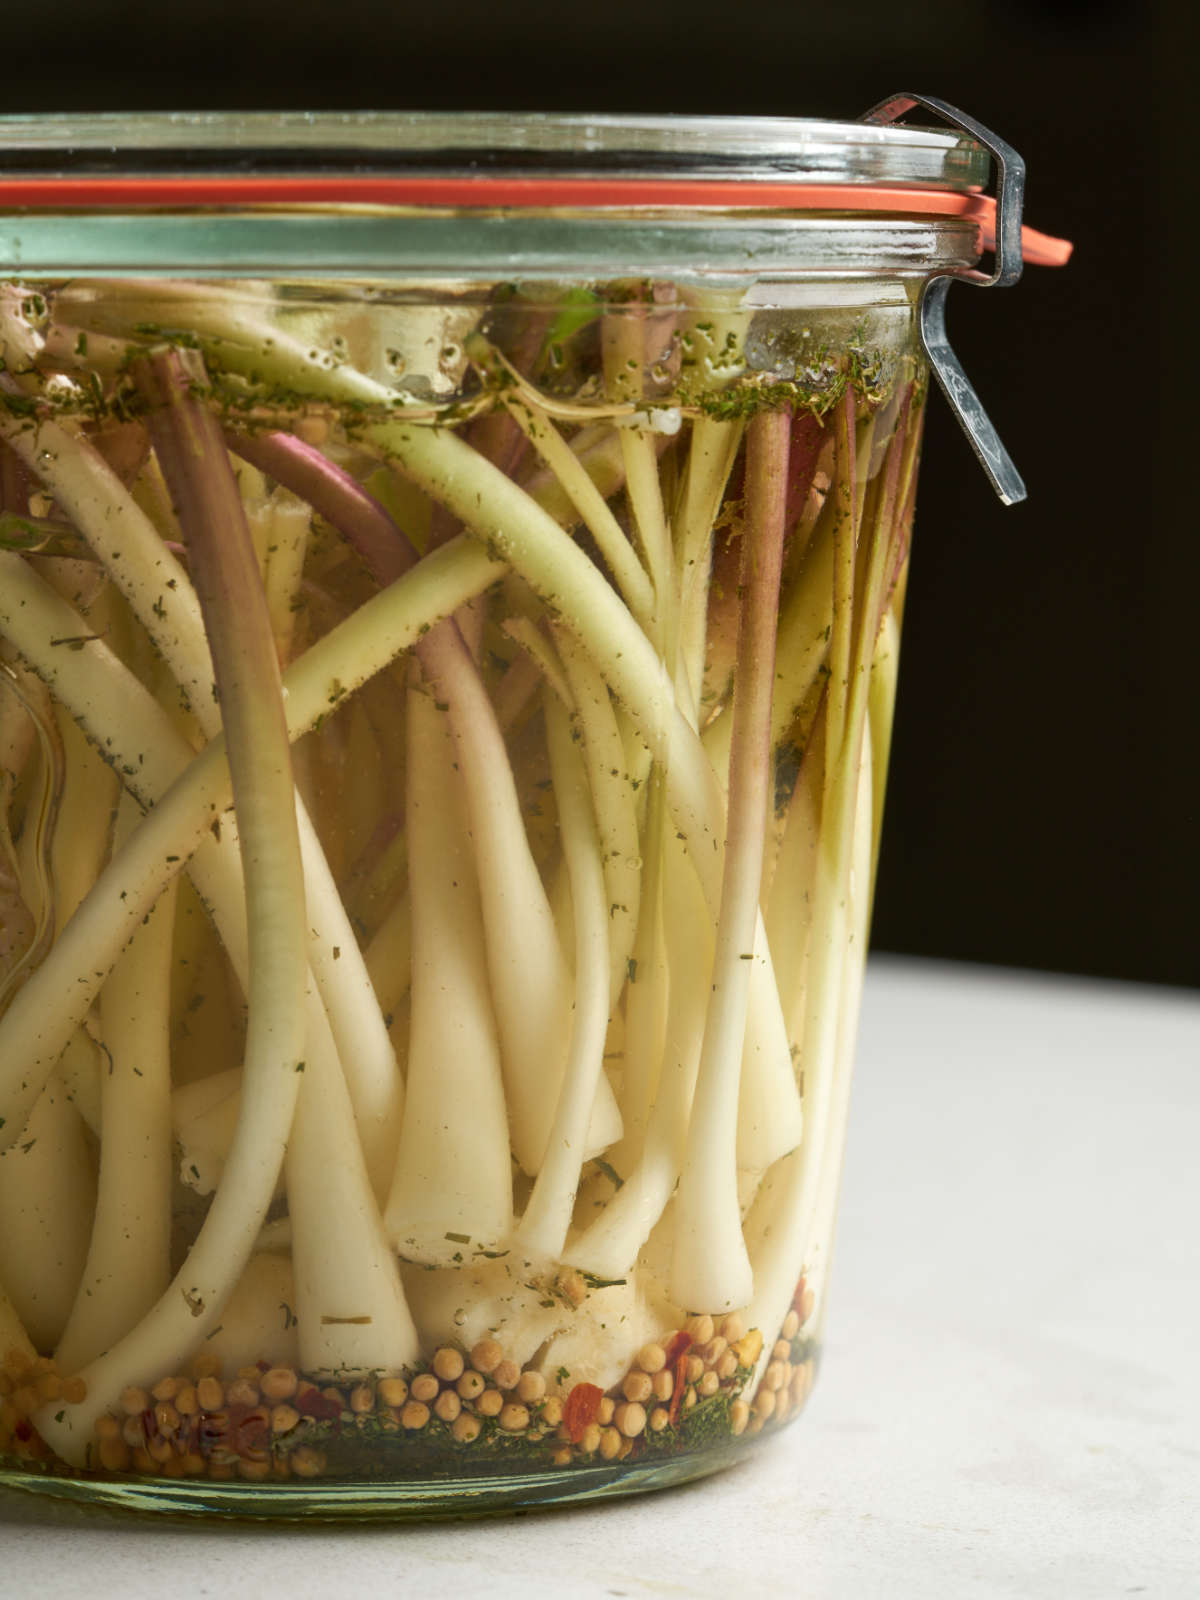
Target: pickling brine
[(440, 808)]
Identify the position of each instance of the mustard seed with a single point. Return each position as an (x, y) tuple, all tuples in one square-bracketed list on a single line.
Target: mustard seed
[(242, 1392), (663, 1384), (764, 1403), (506, 1375), (278, 1383), (393, 1391), (490, 1403), (651, 1358), (700, 1328), (448, 1364), (307, 1462), (134, 1400), (210, 1394), (447, 1405), (362, 1399), (284, 1418), (166, 1416), (415, 1415), (531, 1387), (733, 1327), (471, 1385), (631, 1419), (514, 1418), (638, 1386), (791, 1325), (424, 1387), (739, 1416), (466, 1428), (113, 1455), (659, 1418), (708, 1385), (573, 1286), (610, 1444), (486, 1356)]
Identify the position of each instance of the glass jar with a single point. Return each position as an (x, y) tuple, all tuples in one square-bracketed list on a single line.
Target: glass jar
[(451, 573)]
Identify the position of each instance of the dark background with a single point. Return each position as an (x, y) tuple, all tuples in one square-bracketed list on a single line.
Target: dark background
[(1043, 794)]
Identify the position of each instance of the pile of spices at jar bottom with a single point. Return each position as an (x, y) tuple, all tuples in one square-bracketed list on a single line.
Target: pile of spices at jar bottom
[(473, 1407)]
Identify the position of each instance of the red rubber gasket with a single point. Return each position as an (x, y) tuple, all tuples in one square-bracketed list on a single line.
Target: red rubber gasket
[(489, 192)]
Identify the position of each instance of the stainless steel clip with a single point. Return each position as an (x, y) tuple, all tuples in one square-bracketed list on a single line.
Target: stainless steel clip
[(1010, 198)]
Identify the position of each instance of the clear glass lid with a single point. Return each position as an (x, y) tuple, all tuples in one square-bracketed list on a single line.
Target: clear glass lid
[(747, 149)]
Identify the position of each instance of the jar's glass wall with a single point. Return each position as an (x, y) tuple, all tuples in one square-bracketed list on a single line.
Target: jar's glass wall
[(462, 1100)]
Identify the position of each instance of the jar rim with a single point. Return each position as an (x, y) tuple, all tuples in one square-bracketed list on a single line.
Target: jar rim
[(729, 149)]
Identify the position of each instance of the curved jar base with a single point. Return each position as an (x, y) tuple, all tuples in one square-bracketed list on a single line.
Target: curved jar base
[(416, 1500)]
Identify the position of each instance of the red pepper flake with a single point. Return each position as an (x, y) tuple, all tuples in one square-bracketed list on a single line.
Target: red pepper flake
[(679, 1343), (798, 1297), (312, 1403), (677, 1358), (211, 1428), (23, 1430), (249, 1431), (582, 1409)]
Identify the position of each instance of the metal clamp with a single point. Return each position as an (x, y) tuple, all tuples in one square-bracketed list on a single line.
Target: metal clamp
[(931, 316)]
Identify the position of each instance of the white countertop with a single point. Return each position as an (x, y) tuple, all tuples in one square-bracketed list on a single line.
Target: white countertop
[(1010, 1403)]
